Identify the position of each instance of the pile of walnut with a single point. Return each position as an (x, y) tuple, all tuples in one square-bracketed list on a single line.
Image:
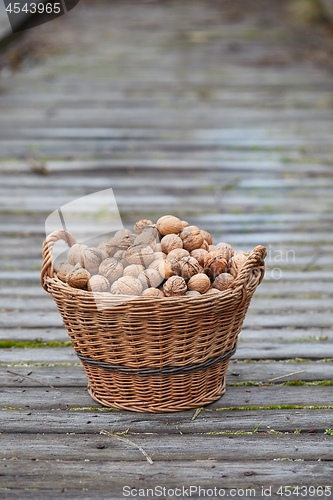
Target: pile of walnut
[(169, 258)]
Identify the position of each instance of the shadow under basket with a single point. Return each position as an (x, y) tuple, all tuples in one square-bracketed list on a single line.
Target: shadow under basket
[(151, 354)]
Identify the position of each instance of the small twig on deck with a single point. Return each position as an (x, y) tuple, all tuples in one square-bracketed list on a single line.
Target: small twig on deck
[(34, 380), (128, 441), (286, 375)]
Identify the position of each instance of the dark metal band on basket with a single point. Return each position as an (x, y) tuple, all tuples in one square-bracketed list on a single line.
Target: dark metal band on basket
[(167, 370)]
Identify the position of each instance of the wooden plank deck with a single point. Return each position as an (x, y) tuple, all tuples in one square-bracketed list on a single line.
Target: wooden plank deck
[(221, 113)]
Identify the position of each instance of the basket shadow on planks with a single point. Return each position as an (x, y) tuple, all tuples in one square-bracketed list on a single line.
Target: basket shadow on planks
[(152, 354)]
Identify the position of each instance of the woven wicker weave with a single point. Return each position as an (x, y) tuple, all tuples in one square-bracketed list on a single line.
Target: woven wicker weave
[(154, 354)]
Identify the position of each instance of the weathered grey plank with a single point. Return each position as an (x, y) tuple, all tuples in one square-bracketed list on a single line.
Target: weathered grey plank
[(71, 479), (209, 421), (238, 372), (167, 447), (47, 398)]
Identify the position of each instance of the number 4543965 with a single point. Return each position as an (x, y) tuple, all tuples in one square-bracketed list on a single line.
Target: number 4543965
[(32, 8), (303, 491)]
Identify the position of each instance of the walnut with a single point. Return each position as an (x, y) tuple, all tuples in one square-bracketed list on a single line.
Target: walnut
[(170, 242), (133, 270), (205, 246), (207, 236), (98, 283), (141, 224), (121, 256), (192, 293), (152, 292), (123, 239), (177, 254), (215, 264), (148, 238), (168, 224), (164, 268), (236, 262), (104, 250), (223, 281), (199, 282), (212, 291), (192, 238), (62, 269), (140, 255), (128, 285), (74, 255), (187, 267), (174, 286), (159, 255), (150, 278), (91, 260), (184, 223), (78, 277), (111, 268), (226, 250), (199, 254)]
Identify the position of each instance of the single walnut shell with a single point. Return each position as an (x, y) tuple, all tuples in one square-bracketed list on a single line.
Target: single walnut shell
[(168, 224), (223, 281), (164, 268), (226, 250), (150, 278), (192, 293), (177, 254), (133, 270), (140, 255), (98, 283), (215, 264), (205, 246), (170, 242), (114, 289), (152, 292), (127, 285), (121, 256), (103, 249), (111, 268), (62, 269), (123, 239), (149, 237), (174, 286), (141, 224), (212, 291), (199, 254), (187, 267), (74, 255), (159, 255), (91, 260), (78, 277), (207, 236), (236, 262), (199, 282), (192, 238)]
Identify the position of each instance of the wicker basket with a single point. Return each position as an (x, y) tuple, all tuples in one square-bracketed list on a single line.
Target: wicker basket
[(154, 354)]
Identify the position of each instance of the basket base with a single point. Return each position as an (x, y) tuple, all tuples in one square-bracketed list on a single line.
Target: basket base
[(165, 407)]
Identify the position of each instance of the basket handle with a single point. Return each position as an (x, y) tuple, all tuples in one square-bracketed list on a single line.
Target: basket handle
[(47, 253), (254, 261)]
